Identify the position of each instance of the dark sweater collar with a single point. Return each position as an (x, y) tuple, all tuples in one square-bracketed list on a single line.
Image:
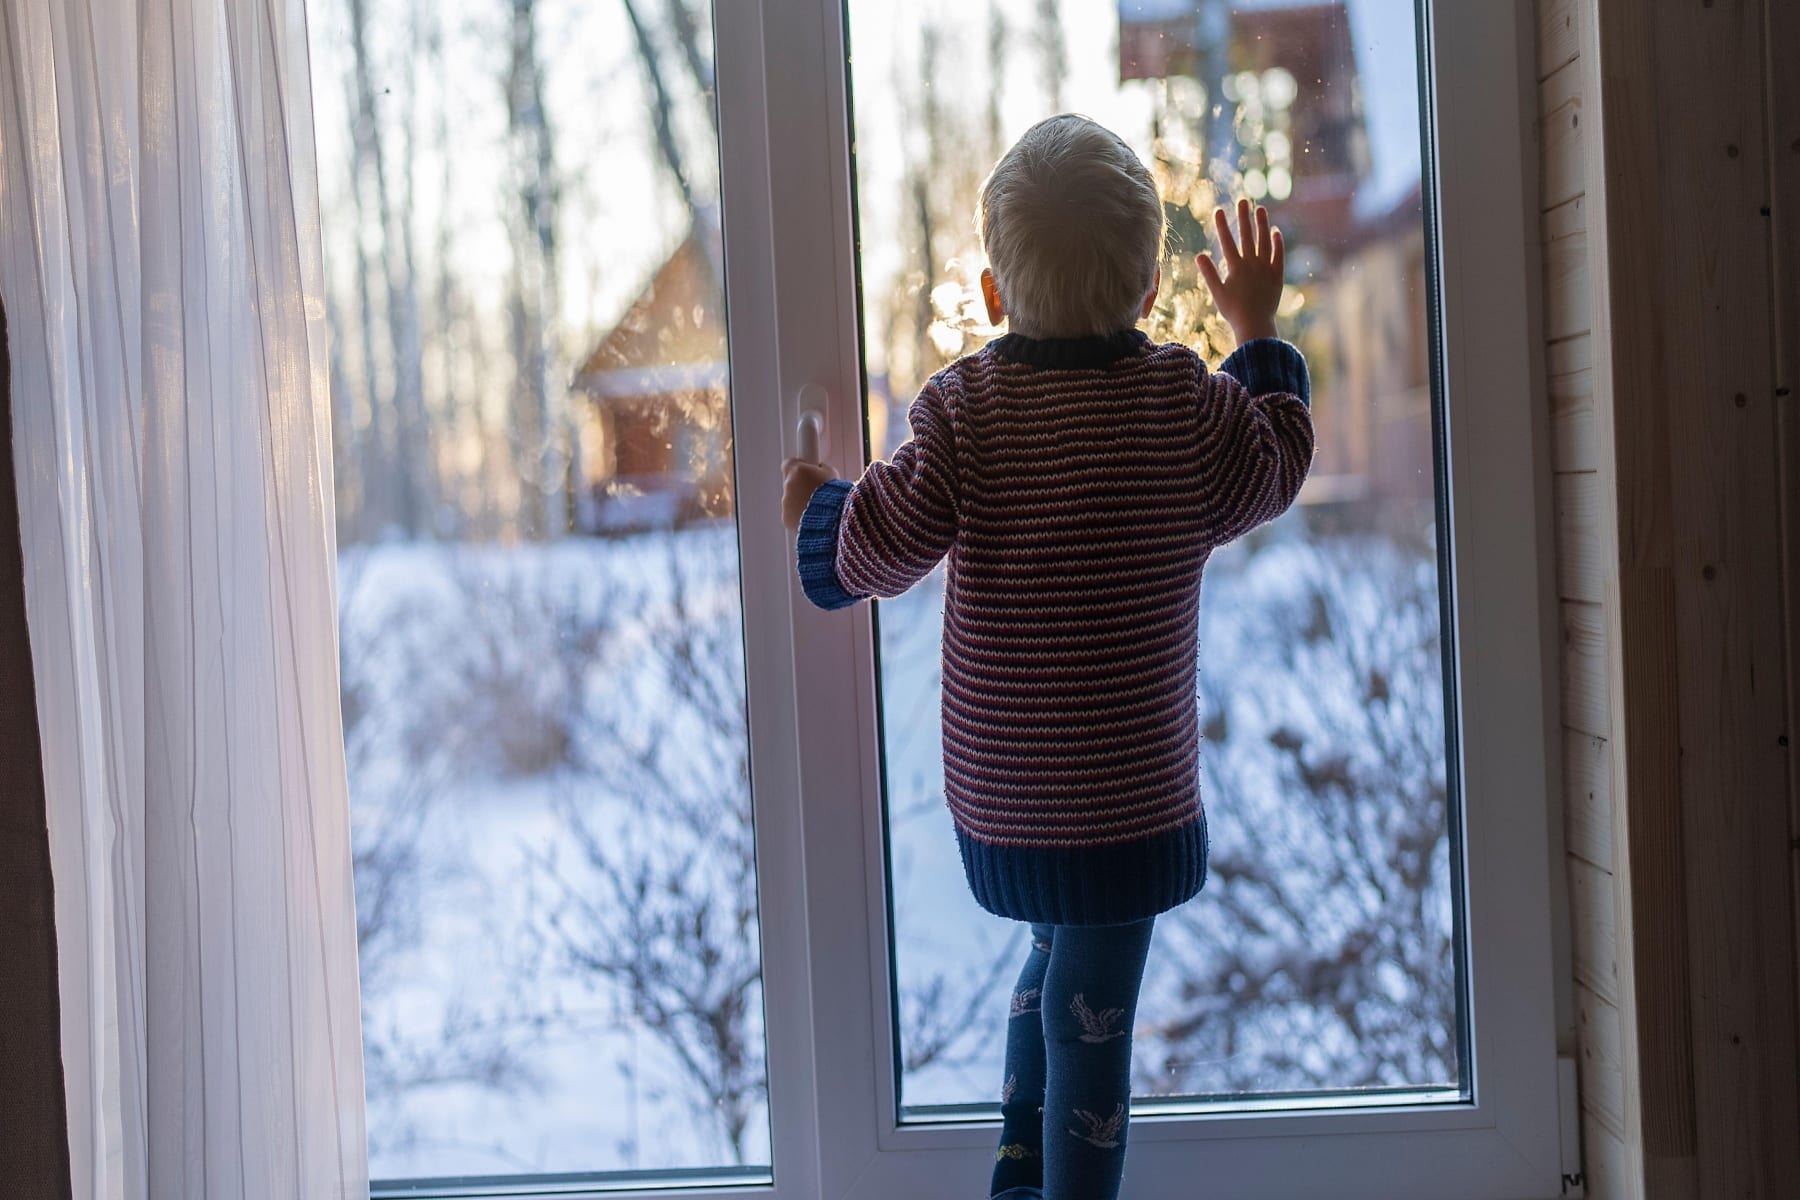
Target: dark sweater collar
[(1070, 353)]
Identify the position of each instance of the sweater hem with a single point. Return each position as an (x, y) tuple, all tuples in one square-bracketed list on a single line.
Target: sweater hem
[(1088, 885)]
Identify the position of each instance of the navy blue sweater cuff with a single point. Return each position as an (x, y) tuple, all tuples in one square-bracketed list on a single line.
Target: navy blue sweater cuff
[(1266, 365), (816, 547)]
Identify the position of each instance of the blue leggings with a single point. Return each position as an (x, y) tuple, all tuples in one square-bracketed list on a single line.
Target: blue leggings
[(1066, 1098)]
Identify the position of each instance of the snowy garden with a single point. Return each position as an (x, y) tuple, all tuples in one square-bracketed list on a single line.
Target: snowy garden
[(556, 879)]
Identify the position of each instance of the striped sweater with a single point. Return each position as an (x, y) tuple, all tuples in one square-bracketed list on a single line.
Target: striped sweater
[(1077, 487)]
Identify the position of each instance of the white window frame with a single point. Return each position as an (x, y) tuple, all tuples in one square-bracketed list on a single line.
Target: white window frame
[(1504, 1143), (815, 754)]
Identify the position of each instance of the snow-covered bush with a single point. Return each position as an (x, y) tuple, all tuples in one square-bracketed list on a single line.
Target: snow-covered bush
[(655, 897), (1321, 953), (608, 898), (391, 632), (528, 644)]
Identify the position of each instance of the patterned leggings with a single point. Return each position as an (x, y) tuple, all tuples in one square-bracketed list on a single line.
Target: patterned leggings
[(1067, 1094)]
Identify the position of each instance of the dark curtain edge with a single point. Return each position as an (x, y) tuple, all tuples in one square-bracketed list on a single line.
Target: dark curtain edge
[(34, 1147)]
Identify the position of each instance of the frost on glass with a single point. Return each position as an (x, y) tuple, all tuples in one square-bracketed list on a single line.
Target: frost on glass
[(1321, 955), (541, 642)]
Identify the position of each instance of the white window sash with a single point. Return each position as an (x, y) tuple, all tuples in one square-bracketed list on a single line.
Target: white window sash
[(791, 264)]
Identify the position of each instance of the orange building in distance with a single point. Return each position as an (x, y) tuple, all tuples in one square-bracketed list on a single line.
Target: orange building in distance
[(656, 428)]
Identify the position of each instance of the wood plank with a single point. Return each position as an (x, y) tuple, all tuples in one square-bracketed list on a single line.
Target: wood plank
[(1587, 793), (1619, 1174), (1709, 257), (1602, 1059), (1562, 144), (1672, 1177), (1593, 914), (1784, 172), (1570, 383), (1558, 35), (1605, 1164), (1568, 286), (1564, 220), (1580, 559), (1571, 356), (1630, 325), (1651, 843), (1584, 680)]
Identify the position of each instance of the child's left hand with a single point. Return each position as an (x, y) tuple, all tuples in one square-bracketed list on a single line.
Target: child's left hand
[(800, 479), (1250, 294)]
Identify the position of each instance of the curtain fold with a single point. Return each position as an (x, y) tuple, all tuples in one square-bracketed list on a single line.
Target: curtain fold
[(160, 263)]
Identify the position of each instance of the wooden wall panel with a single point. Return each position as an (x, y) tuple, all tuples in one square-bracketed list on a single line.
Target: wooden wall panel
[(1568, 289), (1567, 299), (1670, 211), (1653, 888), (1563, 140), (1607, 1164), (1580, 548), (1559, 35), (1784, 200), (1586, 705), (1594, 914), (1687, 424), (1587, 799), (1581, 559), (1584, 558), (1569, 365), (1602, 1061)]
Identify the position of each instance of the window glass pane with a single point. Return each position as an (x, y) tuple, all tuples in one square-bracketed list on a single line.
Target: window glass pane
[(1321, 958), (542, 662)]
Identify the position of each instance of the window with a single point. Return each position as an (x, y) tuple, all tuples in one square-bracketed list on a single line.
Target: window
[(655, 884), (542, 666), (1322, 957)]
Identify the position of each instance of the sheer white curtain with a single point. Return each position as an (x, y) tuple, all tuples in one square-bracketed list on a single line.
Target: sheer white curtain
[(160, 266)]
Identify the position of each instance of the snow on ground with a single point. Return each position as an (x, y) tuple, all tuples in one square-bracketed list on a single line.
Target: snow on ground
[(590, 1090), (561, 1077)]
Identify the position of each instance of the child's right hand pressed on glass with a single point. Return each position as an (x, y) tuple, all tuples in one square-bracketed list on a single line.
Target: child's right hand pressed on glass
[(1251, 291)]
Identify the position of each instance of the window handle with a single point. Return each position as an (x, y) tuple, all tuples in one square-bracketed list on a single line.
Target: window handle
[(810, 432)]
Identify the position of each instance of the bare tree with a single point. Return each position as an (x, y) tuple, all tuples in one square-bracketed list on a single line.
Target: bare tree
[(346, 476), (658, 897), (662, 105), (922, 175), (371, 425), (944, 166), (406, 452), (661, 901), (1053, 52), (699, 63), (996, 81), (542, 448), (948, 1019), (457, 415)]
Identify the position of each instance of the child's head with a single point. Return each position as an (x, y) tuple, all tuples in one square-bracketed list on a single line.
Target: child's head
[(1073, 230)]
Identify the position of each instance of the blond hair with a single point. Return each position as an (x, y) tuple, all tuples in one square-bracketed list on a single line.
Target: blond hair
[(1073, 229)]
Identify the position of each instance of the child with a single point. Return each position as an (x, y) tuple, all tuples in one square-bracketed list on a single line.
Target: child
[(1077, 475)]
